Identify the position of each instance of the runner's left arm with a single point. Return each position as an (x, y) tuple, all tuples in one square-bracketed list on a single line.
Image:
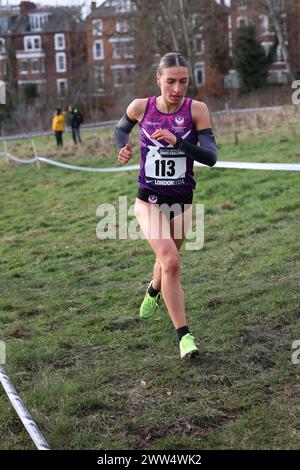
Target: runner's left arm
[(206, 152)]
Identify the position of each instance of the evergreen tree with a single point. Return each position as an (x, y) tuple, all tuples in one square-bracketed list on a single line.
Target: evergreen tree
[(250, 59)]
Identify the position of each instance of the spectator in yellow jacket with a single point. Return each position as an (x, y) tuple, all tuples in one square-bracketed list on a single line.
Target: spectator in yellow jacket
[(58, 126)]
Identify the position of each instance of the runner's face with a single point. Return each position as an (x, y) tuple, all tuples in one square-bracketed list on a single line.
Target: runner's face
[(173, 82)]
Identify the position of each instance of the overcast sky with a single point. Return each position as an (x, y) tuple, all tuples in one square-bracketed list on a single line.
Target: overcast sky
[(58, 2), (47, 2)]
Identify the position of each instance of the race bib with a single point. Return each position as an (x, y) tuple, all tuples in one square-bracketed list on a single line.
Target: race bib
[(165, 166)]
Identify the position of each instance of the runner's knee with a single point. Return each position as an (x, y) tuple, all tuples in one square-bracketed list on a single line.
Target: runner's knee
[(170, 263)]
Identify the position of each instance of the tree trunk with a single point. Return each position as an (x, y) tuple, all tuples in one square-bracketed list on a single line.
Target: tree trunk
[(280, 35)]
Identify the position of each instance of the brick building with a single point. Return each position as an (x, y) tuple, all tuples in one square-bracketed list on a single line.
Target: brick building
[(45, 47), (7, 16), (112, 47), (55, 51), (244, 12)]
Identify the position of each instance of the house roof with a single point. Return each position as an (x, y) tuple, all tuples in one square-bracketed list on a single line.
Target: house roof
[(60, 20), (112, 8)]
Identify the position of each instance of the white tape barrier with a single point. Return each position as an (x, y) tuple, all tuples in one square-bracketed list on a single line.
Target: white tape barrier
[(219, 164), (257, 166), (22, 412), (87, 168), (18, 160)]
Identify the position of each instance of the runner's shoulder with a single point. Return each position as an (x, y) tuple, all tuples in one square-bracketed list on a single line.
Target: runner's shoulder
[(200, 115), (198, 107), (137, 108)]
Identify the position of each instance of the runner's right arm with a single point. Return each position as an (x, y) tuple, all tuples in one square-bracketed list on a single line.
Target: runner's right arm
[(122, 131), (133, 115), (127, 122)]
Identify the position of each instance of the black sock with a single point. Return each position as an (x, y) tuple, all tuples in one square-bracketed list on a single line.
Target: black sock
[(181, 332), (152, 292)]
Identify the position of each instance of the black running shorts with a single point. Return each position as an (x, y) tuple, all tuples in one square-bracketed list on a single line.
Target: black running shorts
[(171, 206)]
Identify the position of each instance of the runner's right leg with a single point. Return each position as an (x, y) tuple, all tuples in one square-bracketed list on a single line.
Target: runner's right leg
[(179, 226), (167, 269), (156, 228)]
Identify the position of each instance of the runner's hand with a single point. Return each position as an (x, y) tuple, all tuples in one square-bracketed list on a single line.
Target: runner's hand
[(125, 154), (164, 134)]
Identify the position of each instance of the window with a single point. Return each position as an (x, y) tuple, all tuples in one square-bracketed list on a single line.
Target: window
[(117, 74), (125, 5), (242, 4), (35, 66), (266, 46), (279, 54), (37, 21), (61, 62), (278, 77), (120, 5), (199, 74), (97, 28), (116, 51), (278, 4), (199, 44), (2, 46), (196, 20), (4, 70), (37, 43), (32, 43), (264, 24), (283, 23), (128, 50), (130, 74), (62, 86), (59, 41), (242, 21), (122, 26), (99, 78), (98, 49), (24, 66)]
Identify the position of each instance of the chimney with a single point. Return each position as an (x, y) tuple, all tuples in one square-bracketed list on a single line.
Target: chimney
[(93, 6), (26, 7)]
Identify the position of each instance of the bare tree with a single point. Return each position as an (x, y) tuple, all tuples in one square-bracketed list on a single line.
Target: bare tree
[(174, 25), (278, 13)]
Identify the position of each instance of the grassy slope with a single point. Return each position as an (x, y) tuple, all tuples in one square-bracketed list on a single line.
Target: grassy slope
[(95, 377)]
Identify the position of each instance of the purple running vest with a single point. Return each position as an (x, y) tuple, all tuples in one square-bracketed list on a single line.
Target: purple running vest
[(164, 169)]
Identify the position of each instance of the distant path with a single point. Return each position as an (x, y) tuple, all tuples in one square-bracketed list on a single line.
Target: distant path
[(104, 124)]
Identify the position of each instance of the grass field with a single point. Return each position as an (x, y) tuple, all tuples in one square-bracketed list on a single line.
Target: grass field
[(93, 375)]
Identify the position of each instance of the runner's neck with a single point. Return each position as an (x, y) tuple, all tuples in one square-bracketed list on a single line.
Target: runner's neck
[(166, 107)]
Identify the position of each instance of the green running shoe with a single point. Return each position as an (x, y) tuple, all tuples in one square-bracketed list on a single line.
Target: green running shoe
[(188, 348), (149, 305)]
